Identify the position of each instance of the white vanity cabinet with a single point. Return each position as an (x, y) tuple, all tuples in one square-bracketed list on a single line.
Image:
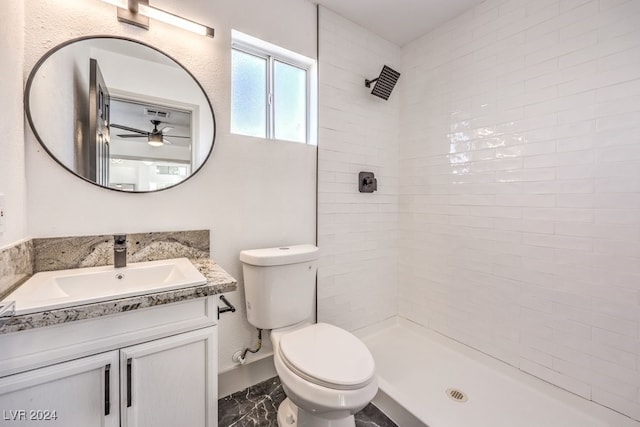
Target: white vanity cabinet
[(151, 367), (168, 382), (78, 393)]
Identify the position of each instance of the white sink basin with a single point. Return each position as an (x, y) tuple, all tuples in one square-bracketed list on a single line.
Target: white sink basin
[(64, 288)]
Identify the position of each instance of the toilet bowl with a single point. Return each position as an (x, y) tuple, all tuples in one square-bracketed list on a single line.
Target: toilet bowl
[(327, 374)]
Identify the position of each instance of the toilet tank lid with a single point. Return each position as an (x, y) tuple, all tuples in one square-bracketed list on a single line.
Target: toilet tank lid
[(280, 256)]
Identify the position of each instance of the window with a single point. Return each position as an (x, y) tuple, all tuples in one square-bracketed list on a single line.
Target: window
[(273, 91)]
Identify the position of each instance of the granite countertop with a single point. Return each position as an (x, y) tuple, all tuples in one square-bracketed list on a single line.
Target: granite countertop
[(218, 281)]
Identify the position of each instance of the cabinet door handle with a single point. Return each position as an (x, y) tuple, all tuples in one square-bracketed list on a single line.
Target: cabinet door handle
[(129, 383), (107, 389)]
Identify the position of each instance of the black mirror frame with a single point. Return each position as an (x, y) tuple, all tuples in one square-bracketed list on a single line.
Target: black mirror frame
[(27, 100)]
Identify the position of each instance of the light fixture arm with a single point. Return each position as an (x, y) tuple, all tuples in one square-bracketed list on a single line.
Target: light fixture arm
[(131, 14), (133, 4)]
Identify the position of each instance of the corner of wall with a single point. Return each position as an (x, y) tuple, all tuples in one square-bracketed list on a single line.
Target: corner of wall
[(12, 153)]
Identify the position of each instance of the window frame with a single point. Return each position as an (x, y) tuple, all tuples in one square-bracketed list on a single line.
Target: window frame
[(272, 54)]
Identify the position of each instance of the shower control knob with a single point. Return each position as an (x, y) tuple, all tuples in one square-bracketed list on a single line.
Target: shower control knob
[(367, 182)]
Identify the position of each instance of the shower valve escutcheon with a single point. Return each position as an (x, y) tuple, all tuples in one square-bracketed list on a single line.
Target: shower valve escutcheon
[(367, 182)]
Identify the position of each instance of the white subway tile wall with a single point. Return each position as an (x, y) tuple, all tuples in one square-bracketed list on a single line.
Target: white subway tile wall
[(519, 189), (357, 232), (508, 207)]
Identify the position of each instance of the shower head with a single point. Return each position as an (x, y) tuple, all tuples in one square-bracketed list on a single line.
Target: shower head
[(385, 82)]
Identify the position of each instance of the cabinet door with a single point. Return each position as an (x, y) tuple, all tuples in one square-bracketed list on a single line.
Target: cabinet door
[(79, 393), (171, 381)]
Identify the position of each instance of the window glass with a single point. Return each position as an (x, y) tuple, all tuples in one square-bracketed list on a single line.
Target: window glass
[(290, 102), (249, 94), (274, 91)]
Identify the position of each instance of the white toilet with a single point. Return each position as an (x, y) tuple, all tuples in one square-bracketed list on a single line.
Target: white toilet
[(327, 373)]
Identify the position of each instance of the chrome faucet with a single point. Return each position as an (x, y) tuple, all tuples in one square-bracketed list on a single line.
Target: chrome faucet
[(120, 250)]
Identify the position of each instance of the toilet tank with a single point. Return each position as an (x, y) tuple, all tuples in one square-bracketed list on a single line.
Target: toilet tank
[(279, 285)]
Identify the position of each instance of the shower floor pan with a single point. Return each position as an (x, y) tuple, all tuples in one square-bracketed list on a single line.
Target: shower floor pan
[(428, 379)]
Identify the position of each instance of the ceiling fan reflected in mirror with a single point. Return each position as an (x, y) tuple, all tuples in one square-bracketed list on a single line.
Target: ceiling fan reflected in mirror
[(155, 138)]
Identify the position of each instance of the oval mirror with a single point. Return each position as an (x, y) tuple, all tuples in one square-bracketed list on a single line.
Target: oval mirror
[(120, 114)]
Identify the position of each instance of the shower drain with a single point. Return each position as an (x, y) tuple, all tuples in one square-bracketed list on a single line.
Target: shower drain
[(456, 395)]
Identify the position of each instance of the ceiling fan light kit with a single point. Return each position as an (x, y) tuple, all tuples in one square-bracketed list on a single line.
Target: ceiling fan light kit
[(155, 140)]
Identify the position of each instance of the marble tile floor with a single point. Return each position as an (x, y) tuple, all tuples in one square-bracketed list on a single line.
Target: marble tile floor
[(257, 406)]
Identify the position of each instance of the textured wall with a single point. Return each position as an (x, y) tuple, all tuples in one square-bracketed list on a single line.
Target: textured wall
[(12, 168), (251, 193), (357, 232), (520, 189)]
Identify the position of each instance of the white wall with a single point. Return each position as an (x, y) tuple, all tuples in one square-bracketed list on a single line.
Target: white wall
[(251, 193), (520, 189), (12, 168), (357, 232), (64, 83)]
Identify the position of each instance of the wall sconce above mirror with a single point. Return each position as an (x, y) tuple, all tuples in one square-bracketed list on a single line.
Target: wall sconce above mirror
[(138, 12), (120, 114)]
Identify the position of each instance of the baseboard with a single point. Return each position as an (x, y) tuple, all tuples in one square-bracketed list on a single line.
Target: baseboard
[(244, 376)]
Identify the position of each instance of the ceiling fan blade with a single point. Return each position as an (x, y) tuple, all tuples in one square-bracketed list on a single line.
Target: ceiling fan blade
[(166, 141), (130, 129), (132, 136), (166, 129), (177, 136)]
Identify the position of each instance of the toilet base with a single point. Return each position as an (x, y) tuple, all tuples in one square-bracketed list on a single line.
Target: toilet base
[(289, 415)]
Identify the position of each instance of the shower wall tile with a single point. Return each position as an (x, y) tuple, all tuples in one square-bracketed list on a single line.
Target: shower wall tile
[(519, 189), (357, 232)]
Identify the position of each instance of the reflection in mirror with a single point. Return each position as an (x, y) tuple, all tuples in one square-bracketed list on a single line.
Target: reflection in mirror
[(120, 114), (146, 136)]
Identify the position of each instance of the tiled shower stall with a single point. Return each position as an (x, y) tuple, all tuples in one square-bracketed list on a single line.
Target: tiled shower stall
[(508, 165)]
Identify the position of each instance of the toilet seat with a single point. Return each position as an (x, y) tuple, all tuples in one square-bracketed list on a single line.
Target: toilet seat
[(327, 356)]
